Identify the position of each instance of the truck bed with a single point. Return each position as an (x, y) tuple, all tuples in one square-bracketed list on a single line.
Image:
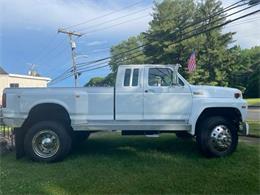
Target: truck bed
[(88, 103)]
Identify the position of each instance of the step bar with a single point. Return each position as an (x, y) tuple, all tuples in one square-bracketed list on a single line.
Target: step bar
[(146, 125)]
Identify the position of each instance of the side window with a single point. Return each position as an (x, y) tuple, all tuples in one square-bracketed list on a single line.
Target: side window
[(127, 77), (135, 77), (14, 85), (160, 77)]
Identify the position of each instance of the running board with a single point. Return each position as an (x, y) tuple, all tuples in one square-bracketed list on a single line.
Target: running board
[(155, 125)]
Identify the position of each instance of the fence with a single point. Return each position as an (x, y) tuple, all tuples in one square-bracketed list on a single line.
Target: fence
[(7, 133)]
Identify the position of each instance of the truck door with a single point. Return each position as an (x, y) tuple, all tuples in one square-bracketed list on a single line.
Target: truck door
[(165, 96), (129, 94)]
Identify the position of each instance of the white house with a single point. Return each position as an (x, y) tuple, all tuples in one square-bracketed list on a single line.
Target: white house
[(17, 80)]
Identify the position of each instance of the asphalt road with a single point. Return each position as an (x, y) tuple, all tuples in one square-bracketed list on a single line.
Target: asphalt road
[(253, 114)]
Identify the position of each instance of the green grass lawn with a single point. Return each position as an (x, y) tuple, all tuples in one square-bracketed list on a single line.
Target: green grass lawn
[(111, 164), (253, 102), (254, 128)]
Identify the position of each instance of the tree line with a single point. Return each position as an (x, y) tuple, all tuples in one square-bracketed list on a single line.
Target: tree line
[(220, 62)]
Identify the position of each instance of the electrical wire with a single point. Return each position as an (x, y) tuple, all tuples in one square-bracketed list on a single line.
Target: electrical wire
[(114, 19), (171, 34), (187, 26), (188, 37), (102, 16), (174, 42)]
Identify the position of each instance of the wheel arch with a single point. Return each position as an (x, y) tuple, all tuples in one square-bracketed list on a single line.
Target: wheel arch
[(230, 113), (47, 111)]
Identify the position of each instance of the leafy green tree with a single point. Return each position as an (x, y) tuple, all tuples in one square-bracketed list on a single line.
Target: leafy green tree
[(215, 58), (135, 57), (247, 76), (107, 81), (95, 82), (217, 62), (168, 25)]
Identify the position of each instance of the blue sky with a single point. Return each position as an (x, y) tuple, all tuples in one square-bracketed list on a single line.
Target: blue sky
[(28, 32)]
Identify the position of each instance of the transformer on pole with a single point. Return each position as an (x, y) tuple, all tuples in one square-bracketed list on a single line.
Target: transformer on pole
[(73, 53)]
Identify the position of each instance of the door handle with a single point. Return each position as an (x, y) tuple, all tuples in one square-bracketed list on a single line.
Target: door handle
[(149, 90)]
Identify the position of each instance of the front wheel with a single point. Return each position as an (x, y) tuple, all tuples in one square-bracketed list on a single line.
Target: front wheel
[(47, 141), (217, 137)]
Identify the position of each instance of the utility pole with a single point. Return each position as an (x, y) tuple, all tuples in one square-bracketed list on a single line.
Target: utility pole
[(73, 53)]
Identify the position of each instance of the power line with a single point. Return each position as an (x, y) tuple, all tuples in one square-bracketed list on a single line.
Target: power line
[(96, 61), (86, 69), (115, 19), (117, 24), (73, 54), (173, 33), (244, 22), (102, 16), (105, 28), (233, 6)]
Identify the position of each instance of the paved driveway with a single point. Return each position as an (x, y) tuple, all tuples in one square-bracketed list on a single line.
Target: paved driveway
[(254, 114)]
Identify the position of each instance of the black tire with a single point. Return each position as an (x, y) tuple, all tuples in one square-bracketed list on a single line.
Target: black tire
[(56, 130), (206, 137), (183, 135)]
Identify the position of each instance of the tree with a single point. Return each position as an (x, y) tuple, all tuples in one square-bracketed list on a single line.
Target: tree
[(107, 81), (217, 62), (95, 82), (247, 76), (215, 58), (168, 25), (127, 58)]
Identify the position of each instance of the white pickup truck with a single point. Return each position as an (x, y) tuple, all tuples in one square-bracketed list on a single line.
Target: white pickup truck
[(146, 99)]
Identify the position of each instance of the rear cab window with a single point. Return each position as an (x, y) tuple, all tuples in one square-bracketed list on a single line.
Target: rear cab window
[(127, 77), (131, 78)]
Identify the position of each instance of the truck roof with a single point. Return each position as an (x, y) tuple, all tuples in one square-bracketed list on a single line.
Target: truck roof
[(144, 65)]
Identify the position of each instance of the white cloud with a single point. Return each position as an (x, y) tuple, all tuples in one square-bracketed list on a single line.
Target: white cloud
[(96, 43), (247, 32), (52, 14), (42, 15), (247, 29)]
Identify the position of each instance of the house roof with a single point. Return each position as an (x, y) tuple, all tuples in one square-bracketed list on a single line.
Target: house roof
[(29, 77), (2, 71)]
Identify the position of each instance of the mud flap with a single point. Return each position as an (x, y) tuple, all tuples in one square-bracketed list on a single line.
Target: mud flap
[(19, 139)]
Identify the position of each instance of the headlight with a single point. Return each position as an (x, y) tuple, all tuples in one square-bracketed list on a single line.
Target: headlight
[(237, 95)]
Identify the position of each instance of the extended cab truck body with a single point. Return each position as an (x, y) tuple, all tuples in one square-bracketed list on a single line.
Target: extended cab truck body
[(147, 99)]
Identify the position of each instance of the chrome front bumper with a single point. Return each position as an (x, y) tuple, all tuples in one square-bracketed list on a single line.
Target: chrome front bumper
[(244, 128)]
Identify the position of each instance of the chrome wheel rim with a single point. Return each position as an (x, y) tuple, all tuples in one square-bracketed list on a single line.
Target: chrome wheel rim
[(221, 138), (45, 143)]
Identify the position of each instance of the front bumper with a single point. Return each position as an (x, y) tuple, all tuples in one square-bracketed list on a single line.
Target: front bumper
[(244, 128)]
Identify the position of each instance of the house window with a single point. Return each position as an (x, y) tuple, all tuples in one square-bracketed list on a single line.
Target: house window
[(14, 85)]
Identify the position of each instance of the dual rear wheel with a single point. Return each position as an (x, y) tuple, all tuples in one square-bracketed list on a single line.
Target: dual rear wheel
[(50, 141)]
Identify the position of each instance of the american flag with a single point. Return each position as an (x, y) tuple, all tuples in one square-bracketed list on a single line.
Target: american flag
[(192, 62)]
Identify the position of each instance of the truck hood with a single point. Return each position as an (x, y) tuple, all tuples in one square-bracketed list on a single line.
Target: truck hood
[(215, 92)]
